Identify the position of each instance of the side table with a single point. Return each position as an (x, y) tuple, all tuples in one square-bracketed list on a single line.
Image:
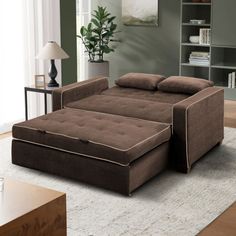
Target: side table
[(45, 91)]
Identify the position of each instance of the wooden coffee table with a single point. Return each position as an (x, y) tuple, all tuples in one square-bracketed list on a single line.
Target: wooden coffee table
[(224, 225), (29, 210)]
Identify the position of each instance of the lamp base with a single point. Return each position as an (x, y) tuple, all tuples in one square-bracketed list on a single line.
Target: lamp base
[(53, 83), (53, 74)]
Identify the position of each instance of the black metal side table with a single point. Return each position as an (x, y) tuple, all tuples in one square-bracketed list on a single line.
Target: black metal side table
[(45, 91)]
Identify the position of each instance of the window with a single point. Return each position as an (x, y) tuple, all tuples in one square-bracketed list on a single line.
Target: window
[(83, 9)]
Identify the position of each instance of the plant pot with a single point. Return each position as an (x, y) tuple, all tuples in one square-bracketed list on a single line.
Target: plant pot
[(98, 69)]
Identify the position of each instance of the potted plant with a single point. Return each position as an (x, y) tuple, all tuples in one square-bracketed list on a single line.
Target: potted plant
[(96, 38)]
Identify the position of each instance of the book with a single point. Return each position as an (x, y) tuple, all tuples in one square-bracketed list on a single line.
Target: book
[(204, 36), (229, 80), (199, 58), (200, 54), (207, 63), (233, 80)]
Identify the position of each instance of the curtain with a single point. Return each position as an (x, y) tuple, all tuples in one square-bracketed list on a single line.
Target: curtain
[(25, 26), (12, 73)]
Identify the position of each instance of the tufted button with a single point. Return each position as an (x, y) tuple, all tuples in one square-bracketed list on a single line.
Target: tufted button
[(121, 133)]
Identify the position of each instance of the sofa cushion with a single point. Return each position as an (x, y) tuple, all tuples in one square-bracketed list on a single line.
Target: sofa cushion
[(106, 137), (142, 109), (140, 80), (181, 84), (156, 96)]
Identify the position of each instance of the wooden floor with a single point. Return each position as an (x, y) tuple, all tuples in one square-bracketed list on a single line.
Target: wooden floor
[(230, 113), (230, 116), (223, 225), (5, 135)]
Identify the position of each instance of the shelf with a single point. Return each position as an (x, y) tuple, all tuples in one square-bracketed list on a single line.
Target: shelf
[(224, 66), (222, 46), (224, 87), (195, 45), (198, 25), (194, 65), (223, 58), (229, 93), (194, 71), (196, 3)]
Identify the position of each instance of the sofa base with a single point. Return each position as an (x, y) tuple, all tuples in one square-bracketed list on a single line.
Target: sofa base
[(122, 179), (184, 169)]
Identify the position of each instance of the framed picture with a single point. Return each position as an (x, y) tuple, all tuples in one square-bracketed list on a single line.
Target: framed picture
[(40, 81), (140, 12)]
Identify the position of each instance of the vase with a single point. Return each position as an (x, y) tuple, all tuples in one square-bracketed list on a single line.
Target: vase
[(98, 69)]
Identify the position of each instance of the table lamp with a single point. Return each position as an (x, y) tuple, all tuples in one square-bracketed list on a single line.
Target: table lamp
[(52, 51)]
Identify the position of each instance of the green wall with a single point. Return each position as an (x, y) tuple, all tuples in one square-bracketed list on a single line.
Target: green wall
[(143, 49), (68, 40), (146, 49)]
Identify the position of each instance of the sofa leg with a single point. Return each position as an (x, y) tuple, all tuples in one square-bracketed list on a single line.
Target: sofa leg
[(219, 143), (184, 170)]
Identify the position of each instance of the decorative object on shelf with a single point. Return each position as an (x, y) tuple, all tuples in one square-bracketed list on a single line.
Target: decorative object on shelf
[(52, 51), (199, 58), (197, 22), (40, 81), (140, 12), (231, 80), (205, 36), (194, 39), (96, 38)]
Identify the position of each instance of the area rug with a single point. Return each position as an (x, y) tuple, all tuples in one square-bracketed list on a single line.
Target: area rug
[(170, 204)]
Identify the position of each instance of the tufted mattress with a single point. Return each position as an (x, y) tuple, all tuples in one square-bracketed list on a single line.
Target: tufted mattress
[(130, 107), (101, 136)]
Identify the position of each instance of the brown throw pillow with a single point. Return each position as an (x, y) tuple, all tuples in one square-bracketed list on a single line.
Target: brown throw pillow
[(181, 84), (140, 81)]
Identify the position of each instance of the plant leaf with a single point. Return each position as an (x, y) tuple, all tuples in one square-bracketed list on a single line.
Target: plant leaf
[(95, 22)]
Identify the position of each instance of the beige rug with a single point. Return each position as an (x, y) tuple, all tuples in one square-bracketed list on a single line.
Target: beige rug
[(170, 204)]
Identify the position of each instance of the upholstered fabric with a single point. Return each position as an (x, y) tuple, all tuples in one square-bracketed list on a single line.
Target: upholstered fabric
[(156, 96), (181, 84), (130, 107), (96, 135), (122, 179), (140, 80), (75, 91), (198, 125)]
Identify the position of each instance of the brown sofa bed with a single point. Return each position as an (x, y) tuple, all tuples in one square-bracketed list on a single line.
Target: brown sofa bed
[(120, 137)]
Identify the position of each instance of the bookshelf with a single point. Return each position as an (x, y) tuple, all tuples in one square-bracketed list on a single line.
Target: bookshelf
[(222, 50)]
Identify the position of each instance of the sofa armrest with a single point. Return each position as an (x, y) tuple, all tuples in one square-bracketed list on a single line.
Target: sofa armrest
[(198, 126), (76, 91)]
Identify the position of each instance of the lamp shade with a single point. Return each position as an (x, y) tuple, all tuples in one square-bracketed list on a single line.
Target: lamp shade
[(52, 51)]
